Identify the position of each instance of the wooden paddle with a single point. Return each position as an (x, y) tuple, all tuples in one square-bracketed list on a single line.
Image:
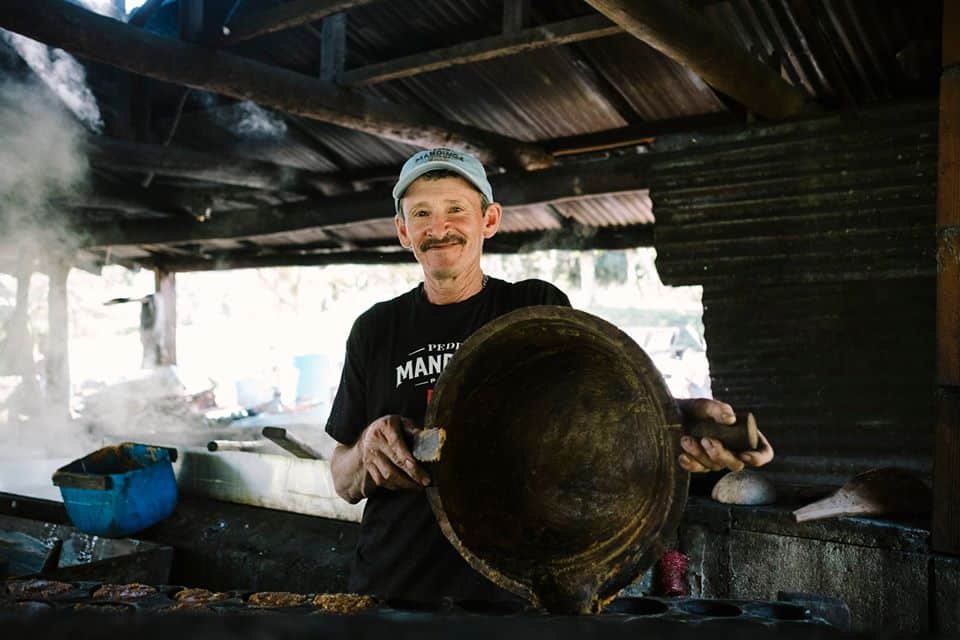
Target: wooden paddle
[(885, 491)]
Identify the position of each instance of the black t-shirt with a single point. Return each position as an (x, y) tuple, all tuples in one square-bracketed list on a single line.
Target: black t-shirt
[(395, 353)]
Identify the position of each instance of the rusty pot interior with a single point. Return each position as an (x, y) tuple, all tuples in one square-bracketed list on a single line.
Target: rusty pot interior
[(558, 476)]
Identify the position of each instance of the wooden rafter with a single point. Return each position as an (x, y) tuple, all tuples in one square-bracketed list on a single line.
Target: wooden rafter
[(507, 44), (84, 33), (288, 15), (682, 34), (512, 189), (120, 155), (594, 238)]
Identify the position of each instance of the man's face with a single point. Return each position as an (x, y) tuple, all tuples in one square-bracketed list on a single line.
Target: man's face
[(443, 224)]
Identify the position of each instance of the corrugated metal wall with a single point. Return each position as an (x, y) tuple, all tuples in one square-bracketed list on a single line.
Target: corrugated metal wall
[(815, 246)]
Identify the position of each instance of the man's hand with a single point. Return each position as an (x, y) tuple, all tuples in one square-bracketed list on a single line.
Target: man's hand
[(709, 454), (385, 458), (379, 458)]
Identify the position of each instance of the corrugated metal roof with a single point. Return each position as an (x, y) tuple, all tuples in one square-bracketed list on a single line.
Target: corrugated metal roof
[(862, 42), (372, 30), (612, 210), (656, 87), (532, 96), (353, 149), (528, 218)]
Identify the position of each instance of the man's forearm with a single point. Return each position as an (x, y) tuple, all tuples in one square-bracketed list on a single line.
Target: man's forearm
[(346, 466)]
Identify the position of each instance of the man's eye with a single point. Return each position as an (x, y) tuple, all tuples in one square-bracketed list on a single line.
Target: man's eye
[(419, 213), (456, 209)]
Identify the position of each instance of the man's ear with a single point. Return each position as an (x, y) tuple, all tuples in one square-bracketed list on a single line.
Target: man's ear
[(400, 223), (491, 220)]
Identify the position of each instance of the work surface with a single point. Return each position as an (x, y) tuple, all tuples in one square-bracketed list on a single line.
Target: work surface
[(395, 626)]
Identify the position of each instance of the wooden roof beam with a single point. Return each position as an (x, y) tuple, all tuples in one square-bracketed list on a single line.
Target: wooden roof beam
[(506, 44), (573, 180), (120, 155), (250, 24), (592, 238), (684, 35), (84, 33)]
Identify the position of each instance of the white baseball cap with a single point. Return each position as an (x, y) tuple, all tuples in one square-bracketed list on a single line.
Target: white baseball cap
[(442, 158)]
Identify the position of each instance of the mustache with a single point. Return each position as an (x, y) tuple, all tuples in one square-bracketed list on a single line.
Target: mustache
[(430, 243)]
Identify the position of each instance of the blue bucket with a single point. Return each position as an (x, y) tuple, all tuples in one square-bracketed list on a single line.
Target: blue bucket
[(119, 490)]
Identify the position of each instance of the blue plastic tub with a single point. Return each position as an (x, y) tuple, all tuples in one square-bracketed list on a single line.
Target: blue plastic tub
[(119, 490)]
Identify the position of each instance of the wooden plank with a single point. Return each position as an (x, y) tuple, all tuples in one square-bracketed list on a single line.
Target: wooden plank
[(946, 468), (84, 33), (948, 231), (951, 33), (255, 23), (946, 508), (682, 34), (508, 44)]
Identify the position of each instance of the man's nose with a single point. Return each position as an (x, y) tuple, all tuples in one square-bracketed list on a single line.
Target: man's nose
[(438, 225)]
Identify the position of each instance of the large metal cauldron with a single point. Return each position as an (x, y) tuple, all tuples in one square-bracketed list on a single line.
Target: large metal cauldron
[(558, 477)]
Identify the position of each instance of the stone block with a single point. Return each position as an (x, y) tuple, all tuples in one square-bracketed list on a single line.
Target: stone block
[(886, 590), (946, 594)]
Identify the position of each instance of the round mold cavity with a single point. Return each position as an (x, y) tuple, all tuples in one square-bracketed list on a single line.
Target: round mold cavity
[(777, 611), (710, 608), (637, 607), (105, 608), (483, 607)]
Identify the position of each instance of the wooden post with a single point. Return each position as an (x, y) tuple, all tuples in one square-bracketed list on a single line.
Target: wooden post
[(946, 511), (58, 342), (166, 296)]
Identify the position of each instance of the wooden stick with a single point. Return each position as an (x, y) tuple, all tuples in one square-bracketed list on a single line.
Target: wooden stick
[(252, 446), (297, 447)]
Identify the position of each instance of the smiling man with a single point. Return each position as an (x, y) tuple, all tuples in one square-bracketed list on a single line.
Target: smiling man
[(395, 353)]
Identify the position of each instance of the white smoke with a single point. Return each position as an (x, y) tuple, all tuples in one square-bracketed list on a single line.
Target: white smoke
[(41, 160), (248, 120), (62, 74)]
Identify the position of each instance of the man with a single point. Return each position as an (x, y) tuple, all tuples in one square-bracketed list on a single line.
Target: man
[(395, 352)]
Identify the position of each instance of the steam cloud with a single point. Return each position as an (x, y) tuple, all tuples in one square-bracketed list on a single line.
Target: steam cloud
[(248, 120), (62, 74)]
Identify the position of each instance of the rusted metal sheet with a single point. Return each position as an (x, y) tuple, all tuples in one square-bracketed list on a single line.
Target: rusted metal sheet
[(833, 47), (655, 86), (547, 96), (814, 243), (602, 211)]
